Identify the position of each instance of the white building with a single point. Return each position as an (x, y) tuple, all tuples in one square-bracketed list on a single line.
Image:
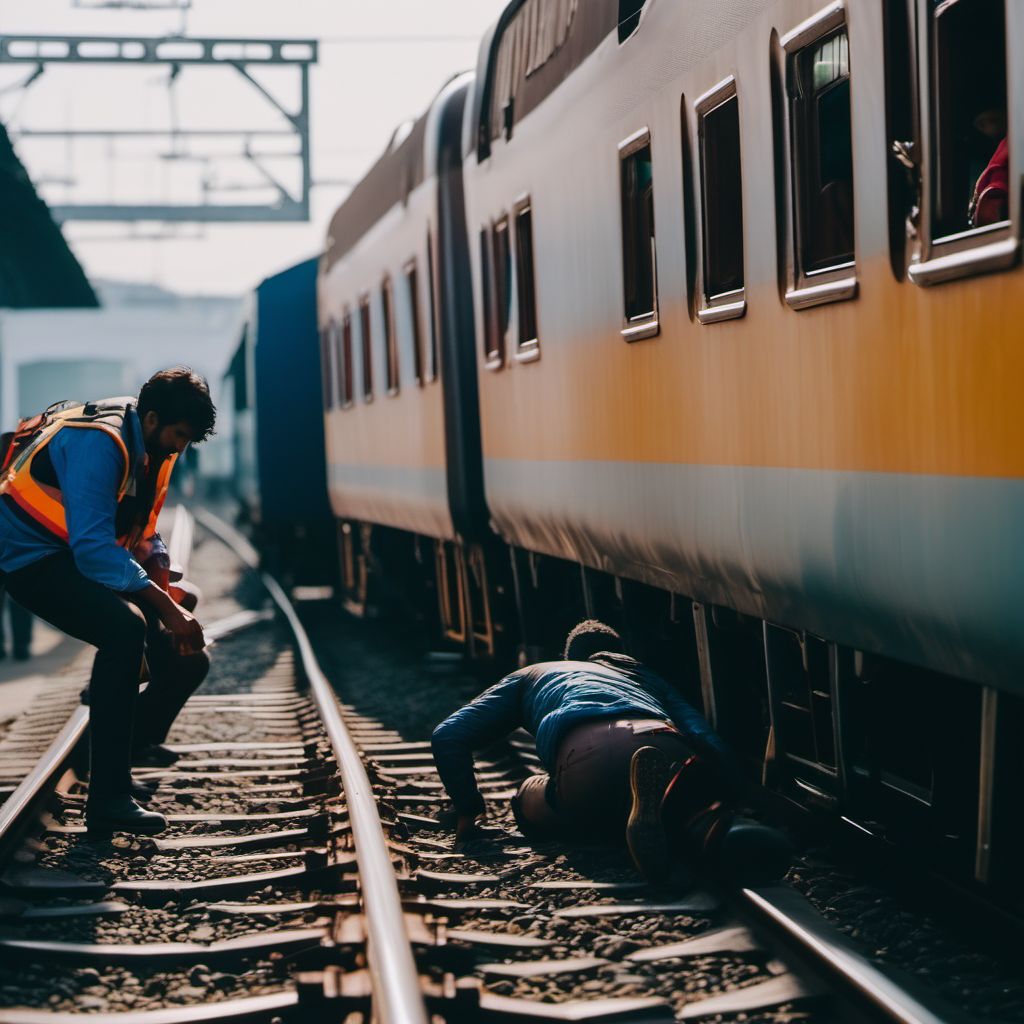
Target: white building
[(49, 355)]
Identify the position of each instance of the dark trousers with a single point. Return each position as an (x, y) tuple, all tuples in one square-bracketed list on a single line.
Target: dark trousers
[(119, 717), (21, 625), (588, 795)]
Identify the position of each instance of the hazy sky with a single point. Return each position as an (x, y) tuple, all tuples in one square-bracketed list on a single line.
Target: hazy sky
[(361, 89)]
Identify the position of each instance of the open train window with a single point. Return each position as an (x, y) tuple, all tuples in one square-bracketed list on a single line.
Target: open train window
[(412, 295), (387, 308), (326, 365), (965, 181), (432, 369), (346, 381), (639, 263), (527, 342), (718, 129), (494, 353), (366, 347), (820, 161)]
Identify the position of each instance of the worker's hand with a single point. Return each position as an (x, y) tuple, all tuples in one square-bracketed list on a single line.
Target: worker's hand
[(184, 628)]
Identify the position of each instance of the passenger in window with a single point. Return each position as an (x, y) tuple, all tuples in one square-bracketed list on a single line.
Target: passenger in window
[(626, 757), (990, 203)]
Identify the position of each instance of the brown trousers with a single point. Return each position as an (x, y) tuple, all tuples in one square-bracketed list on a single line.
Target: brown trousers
[(588, 795)]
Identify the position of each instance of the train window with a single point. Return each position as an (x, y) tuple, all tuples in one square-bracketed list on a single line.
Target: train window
[(718, 128), (629, 17), (493, 348), (966, 153), (502, 268), (387, 307), (639, 263), (528, 345), (432, 370), (345, 377), (326, 367), (366, 347), (412, 293), (821, 255)]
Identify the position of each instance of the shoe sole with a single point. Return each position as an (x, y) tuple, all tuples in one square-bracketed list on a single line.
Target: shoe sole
[(101, 828), (649, 773)]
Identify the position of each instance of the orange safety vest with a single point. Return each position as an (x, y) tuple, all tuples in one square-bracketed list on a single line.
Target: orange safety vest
[(29, 487)]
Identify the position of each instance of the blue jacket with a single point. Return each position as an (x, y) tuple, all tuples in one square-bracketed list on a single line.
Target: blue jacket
[(89, 466), (549, 699)]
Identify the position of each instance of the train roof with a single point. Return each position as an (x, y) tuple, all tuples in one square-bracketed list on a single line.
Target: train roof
[(534, 47), (398, 172)]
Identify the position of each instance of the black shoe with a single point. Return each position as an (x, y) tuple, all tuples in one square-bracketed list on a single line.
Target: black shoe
[(142, 792), (750, 853), (650, 771), (22, 654), (154, 755), (106, 814)]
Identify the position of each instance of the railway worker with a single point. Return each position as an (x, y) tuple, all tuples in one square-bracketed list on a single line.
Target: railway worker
[(626, 758), (76, 506)]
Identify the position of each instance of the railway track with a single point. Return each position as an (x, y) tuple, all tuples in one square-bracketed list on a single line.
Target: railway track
[(307, 876)]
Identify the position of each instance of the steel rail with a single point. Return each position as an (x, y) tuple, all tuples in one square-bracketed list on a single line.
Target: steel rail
[(52, 761), (394, 978), (786, 911)]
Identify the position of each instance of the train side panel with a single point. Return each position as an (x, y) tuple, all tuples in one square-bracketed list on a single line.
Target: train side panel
[(853, 469)]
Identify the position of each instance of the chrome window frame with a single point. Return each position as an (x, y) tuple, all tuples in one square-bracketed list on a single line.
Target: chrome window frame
[(367, 378), (981, 250), (494, 359), (502, 224), (412, 292), (344, 374), (432, 371), (730, 305), (387, 309), (527, 351), (647, 325), (831, 284), (328, 391)]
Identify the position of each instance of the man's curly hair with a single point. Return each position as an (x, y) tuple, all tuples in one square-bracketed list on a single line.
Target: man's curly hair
[(589, 637), (179, 395)]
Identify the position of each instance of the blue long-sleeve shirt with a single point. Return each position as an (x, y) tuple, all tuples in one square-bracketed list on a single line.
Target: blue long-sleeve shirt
[(549, 699), (89, 466)]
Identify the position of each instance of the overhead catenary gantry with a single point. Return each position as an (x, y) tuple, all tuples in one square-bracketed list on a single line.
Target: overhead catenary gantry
[(243, 55)]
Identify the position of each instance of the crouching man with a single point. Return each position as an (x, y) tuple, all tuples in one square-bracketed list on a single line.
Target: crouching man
[(626, 758), (80, 492)]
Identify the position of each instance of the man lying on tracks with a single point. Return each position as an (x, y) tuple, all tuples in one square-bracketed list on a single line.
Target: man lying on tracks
[(81, 489), (626, 758)]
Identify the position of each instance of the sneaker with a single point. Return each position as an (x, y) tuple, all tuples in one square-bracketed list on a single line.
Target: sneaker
[(649, 773), (154, 755)]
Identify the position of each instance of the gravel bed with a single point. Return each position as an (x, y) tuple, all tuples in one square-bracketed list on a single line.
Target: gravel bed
[(88, 990), (249, 661), (175, 922), (893, 935), (368, 667)]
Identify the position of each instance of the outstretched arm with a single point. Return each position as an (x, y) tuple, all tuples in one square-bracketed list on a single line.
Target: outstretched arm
[(492, 715)]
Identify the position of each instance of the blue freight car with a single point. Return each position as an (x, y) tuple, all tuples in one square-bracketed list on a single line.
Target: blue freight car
[(277, 425)]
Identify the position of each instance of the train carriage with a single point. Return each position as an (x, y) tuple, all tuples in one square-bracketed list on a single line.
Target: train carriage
[(725, 297), (401, 418), (743, 336)]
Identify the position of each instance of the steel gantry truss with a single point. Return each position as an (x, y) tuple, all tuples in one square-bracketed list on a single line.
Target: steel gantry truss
[(176, 52)]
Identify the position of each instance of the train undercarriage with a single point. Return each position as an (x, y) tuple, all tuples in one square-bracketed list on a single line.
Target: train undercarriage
[(921, 761)]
